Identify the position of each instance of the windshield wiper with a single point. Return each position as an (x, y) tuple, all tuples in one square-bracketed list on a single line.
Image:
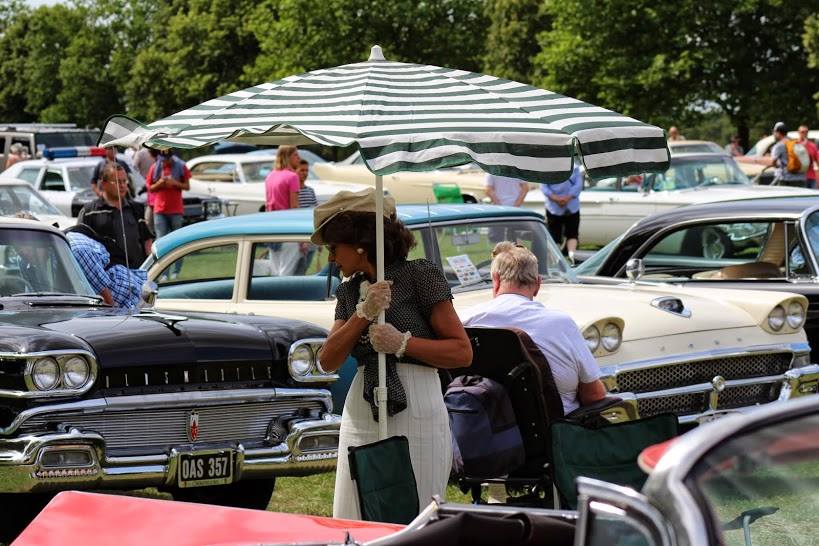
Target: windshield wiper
[(54, 294)]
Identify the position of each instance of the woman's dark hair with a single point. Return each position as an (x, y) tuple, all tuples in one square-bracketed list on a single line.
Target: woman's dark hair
[(358, 229)]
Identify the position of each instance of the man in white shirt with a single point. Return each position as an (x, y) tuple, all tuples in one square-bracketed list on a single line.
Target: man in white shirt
[(515, 283), (503, 190)]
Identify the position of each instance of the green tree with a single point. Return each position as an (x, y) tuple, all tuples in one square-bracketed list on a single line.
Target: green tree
[(811, 41), (301, 35), (14, 26), (671, 61), (196, 50), (511, 40)]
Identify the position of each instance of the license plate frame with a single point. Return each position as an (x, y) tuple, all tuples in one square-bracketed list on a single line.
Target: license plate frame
[(204, 468)]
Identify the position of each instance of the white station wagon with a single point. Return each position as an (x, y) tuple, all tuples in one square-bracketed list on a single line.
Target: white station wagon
[(696, 353)]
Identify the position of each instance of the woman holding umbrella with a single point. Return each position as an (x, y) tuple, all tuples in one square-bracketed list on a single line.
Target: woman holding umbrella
[(422, 333)]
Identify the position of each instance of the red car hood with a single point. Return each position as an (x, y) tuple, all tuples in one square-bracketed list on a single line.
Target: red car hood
[(73, 518)]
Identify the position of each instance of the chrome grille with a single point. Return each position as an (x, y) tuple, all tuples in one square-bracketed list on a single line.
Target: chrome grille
[(168, 427), (703, 371), (678, 404), (748, 395)]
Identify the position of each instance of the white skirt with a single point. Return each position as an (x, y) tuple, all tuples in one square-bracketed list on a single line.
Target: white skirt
[(424, 422)]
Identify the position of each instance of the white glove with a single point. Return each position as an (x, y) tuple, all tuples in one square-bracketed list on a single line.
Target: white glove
[(385, 338), (376, 299)]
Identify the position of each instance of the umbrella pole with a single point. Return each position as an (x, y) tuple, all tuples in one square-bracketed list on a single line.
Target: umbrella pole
[(381, 390)]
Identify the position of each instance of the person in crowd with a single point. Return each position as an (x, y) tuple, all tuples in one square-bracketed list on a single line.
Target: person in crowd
[(307, 199), (734, 148), (167, 178), (110, 156), (779, 159), (144, 158), (422, 333), (504, 190), (810, 175), (307, 195), (117, 284), (563, 210), (674, 134), (17, 153), (515, 283), (118, 219), (282, 183)]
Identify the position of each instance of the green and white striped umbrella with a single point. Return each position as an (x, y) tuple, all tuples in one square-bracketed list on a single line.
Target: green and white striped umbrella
[(412, 117)]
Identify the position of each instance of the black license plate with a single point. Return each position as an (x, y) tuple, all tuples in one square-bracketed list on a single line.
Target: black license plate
[(203, 468)]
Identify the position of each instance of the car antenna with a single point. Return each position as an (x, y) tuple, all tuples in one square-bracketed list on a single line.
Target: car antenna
[(435, 257)]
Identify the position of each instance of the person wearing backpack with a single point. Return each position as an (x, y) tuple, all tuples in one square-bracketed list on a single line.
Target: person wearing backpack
[(789, 158)]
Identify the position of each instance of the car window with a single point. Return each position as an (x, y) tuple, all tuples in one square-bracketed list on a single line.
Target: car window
[(14, 199), (764, 483), (25, 142), (627, 184), (53, 181), (466, 249), (38, 261), (257, 171), (57, 139), (80, 177), (207, 273), (29, 174), (215, 171), (289, 271), (811, 232), (702, 251)]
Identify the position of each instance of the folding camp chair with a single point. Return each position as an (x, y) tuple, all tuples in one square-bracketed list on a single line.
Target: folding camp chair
[(510, 357)]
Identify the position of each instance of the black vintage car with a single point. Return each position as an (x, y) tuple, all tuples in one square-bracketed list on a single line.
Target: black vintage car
[(765, 244), (210, 407)]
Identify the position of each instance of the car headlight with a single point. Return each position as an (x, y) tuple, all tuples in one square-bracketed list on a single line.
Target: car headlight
[(611, 337), (796, 315), (776, 318), (301, 361), (76, 372), (45, 373), (592, 337)]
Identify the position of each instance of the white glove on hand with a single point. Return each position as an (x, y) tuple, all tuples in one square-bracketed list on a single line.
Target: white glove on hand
[(385, 338), (376, 300)]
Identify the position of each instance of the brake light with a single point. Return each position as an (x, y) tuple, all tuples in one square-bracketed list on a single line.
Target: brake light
[(73, 151)]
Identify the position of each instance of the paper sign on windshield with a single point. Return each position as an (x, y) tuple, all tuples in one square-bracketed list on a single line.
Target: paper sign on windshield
[(464, 269)]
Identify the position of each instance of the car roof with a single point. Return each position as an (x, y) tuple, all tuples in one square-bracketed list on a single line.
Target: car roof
[(66, 161), (778, 207), (10, 181), (228, 158), (7, 222), (300, 222), (674, 143)]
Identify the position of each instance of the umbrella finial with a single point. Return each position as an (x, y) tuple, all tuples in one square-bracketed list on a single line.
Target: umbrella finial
[(376, 54)]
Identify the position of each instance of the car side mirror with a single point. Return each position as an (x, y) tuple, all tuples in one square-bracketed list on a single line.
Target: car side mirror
[(635, 269), (149, 293)]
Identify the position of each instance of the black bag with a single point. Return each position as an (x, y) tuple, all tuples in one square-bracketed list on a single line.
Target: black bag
[(483, 427)]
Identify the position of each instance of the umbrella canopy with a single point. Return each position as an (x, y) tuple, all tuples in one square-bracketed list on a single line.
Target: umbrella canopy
[(411, 117)]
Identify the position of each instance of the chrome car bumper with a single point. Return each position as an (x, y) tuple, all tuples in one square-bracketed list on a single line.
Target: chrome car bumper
[(711, 384), (82, 458)]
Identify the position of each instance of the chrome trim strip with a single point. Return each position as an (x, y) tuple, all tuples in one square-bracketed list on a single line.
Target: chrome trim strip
[(59, 356), (796, 348), (699, 388), (170, 400)]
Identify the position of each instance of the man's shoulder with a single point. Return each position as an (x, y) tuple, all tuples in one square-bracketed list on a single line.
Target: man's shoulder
[(98, 205)]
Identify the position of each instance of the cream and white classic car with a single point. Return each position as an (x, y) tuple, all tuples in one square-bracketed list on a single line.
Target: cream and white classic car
[(239, 179), (695, 353)]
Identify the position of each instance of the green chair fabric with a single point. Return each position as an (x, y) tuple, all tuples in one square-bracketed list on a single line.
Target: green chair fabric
[(606, 453), (447, 193), (385, 480)]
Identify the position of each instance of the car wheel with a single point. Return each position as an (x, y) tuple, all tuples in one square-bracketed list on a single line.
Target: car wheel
[(244, 494), (262, 209), (469, 199)]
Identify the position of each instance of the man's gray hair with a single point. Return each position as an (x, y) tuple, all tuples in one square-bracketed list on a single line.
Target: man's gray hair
[(514, 263)]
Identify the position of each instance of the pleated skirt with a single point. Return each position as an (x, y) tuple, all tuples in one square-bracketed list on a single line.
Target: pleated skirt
[(425, 423)]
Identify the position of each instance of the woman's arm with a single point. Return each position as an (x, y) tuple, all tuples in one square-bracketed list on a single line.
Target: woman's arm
[(452, 348), (343, 336)]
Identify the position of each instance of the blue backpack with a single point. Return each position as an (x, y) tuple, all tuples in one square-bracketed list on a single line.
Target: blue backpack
[(485, 436)]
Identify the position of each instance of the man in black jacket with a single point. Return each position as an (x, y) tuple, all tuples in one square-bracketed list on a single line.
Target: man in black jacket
[(119, 219)]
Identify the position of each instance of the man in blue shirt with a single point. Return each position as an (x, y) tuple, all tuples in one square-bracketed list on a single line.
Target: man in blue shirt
[(563, 210)]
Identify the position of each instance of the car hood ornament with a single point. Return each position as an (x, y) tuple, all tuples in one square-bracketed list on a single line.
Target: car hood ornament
[(193, 425)]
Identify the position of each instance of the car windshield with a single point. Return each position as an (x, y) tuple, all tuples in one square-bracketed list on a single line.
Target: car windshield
[(14, 199), (764, 482), (466, 250), (811, 232), (35, 261), (80, 177), (590, 266), (692, 172)]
